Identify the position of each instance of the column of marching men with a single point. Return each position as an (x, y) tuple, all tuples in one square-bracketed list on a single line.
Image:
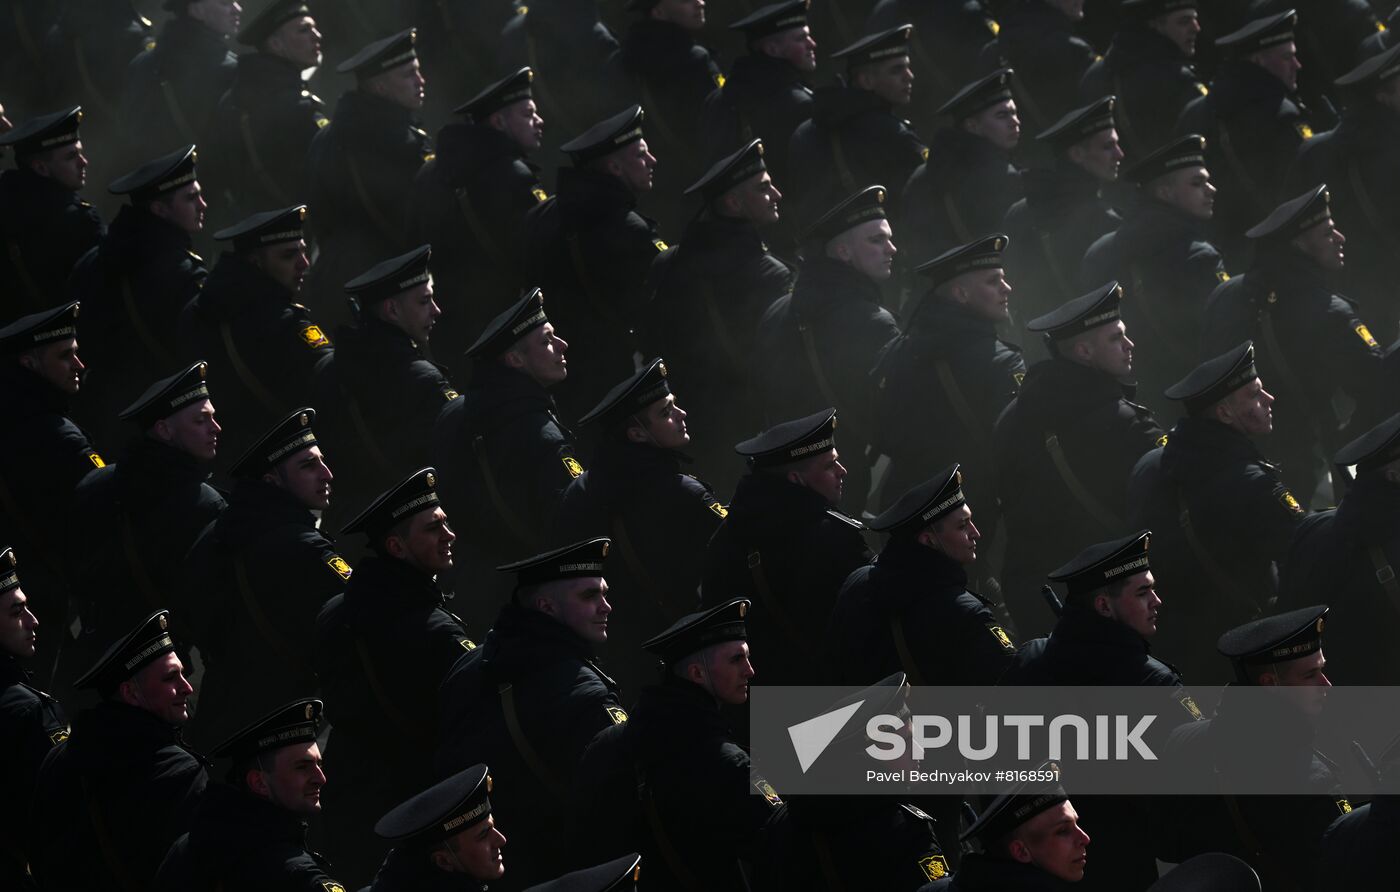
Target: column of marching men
[(441, 523)]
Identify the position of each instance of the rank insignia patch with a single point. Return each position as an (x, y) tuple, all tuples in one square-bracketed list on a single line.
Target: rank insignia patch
[(449, 394), (994, 26), (1222, 276), (1304, 131), (332, 887), (1162, 440), (1202, 89), (467, 644), (935, 867), (539, 194), (58, 736), (339, 565), (719, 80), (719, 509), (1191, 708), (96, 460), (1286, 499), (660, 245), (1002, 638), (572, 466), (1344, 806), (766, 789), (617, 714), (1364, 334), (314, 337)]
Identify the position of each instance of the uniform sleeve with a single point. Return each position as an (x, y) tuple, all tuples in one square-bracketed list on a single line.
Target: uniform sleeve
[(1354, 352)]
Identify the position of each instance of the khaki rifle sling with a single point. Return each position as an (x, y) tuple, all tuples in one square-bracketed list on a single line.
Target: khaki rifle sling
[(1120, 113), (655, 121), (523, 745), (960, 405), (1279, 359), (1385, 575), (30, 287), (381, 694), (633, 560), (177, 115), (255, 159), (906, 655), (375, 215), (11, 855), (1026, 102), (1086, 499), (679, 869), (1160, 334), (357, 11), (809, 346), (594, 296), (26, 39), (245, 374), (942, 84), (838, 157), (357, 418), (822, 846), (479, 230), (26, 524), (770, 601), (138, 566), (1224, 582), (105, 844), (90, 92), (540, 87), (950, 207), (445, 11), (722, 333), (1246, 834), (1368, 208), (503, 508), (143, 331), (1241, 172), (265, 628), (1047, 250)]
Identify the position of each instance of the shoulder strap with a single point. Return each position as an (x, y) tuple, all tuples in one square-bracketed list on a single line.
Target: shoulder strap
[(809, 346), (381, 693), (255, 159), (1096, 509), (376, 216), (265, 627), (172, 105), (1225, 583), (960, 405), (678, 867), (906, 655), (105, 844), (769, 600), (838, 158), (503, 508), (522, 743), (138, 567), (245, 374), (1385, 575), (138, 322), (30, 288), (473, 220), (634, 563)]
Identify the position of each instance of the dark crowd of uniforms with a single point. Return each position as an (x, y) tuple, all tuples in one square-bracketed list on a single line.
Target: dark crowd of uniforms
[(570, 364)]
